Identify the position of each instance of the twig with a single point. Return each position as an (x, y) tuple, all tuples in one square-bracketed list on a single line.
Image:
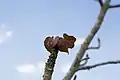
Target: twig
[(75, 77), (98, 65), (85, 59), (100, 2), (97, 47), (114, 6)]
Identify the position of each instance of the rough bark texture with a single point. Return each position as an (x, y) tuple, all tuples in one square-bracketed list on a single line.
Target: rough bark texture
[(87, 41), (49, 67)]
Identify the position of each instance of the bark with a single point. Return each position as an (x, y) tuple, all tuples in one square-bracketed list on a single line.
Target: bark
[(49, 67), (76, 63)]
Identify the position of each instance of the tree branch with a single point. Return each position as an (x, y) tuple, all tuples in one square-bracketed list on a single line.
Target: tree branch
[(114, 6), (97, 47), (98, 65), (87, 41), (75, 77), (49, 67), (100, 2)]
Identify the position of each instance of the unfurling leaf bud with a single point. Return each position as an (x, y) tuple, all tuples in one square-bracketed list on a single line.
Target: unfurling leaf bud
[(59, 43)]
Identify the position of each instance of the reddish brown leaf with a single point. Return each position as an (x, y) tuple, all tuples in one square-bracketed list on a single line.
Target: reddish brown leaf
[(50, 43), (62, 45), (59, 43), (71, 40), (65, 43)]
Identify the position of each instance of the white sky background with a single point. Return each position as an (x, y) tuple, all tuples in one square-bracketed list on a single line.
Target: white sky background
[(4, 33), (24, 24)]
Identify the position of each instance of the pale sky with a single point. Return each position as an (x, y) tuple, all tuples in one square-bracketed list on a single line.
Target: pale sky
[(24, 24)]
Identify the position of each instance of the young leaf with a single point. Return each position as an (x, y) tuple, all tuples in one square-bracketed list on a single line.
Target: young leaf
[(71, 40), (59, 43), (50, 43)]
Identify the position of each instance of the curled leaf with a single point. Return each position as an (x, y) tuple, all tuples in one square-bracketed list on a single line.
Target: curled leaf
[(59, 43), (50, 43), (62, 45), (71, 40)]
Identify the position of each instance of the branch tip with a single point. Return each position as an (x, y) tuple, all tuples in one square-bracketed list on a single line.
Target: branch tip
[(75, 77), (98, 65), (97, 47), (114, 6), (100, 2)]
